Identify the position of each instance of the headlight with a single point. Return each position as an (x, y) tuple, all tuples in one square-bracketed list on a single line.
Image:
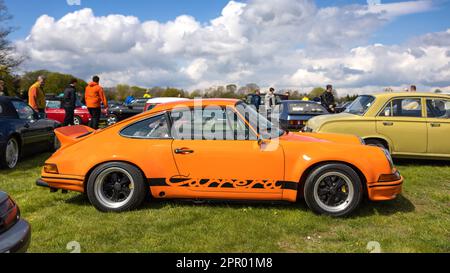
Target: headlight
[(389, 158)]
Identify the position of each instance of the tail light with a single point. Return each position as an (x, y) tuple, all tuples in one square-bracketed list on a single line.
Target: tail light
[(9, 214)]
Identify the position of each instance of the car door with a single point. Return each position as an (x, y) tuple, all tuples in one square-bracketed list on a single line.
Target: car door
[(438, 125), (402, 121), (35, 132), (54, 111), (216, 158)]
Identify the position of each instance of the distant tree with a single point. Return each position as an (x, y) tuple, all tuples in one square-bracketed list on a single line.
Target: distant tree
[(231, 88), (138, 92), (196, 94), (55, 83), (438, 91), (316, 92), (172, 92), (122, 91), (8, 59)]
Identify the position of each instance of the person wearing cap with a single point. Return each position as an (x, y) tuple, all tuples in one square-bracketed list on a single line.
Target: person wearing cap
[(69, 102)]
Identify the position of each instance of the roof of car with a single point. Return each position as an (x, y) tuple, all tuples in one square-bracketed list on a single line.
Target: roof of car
[(408, 94), (165, 100), (196, 102)]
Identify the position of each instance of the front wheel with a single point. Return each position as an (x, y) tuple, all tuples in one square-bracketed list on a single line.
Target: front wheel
[(116, 187), (10, 156), (334, 190)]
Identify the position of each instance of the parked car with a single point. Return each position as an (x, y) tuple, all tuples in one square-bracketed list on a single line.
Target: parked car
[(342, 107), (293, 114), (125, 111), (23, 132), (152, 103), (209, 149), (55, 111), (410, 125), (15, 233)]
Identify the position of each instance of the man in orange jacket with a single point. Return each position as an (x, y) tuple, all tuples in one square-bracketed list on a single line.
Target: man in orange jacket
[(36, 96), (94, 97)]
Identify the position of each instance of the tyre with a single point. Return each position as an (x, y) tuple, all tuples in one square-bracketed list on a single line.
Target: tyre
[(9, 156), (116, 187), (77, 120), (333, 189), (377, 143), (111, 120)]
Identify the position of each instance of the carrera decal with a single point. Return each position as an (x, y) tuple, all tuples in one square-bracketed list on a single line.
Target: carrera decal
[(223, 183)]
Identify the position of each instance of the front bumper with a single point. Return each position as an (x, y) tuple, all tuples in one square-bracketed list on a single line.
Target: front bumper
[(384, 191), (16, 239)]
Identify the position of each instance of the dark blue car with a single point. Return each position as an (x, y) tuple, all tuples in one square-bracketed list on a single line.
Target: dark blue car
[(23, 132), (295, 113)]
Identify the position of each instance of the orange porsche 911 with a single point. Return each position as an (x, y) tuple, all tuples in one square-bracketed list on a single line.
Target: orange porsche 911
[(217, 149)]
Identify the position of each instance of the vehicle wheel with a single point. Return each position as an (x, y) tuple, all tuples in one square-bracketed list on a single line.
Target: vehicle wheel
[(77, 121), (10, 156), (55, 144), (111, 120), (377, 143), (116, 187), (334, 190)]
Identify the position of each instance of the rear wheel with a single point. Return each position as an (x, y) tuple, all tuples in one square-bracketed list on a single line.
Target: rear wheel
[(116, 187), (10, 155), (377, 143), (77, 121), (333, 189)]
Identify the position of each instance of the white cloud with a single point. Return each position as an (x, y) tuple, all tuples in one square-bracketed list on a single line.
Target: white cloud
[(287, 43)]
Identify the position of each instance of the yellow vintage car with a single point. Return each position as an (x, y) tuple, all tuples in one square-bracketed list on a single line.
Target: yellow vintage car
[(409, 125)]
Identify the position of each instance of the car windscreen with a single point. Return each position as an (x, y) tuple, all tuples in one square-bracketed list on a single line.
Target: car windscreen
[(305, 108), (360, 105)]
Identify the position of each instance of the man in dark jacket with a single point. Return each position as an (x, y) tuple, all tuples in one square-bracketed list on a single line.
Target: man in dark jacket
[(256, 100), (69, 102), (328, 100)]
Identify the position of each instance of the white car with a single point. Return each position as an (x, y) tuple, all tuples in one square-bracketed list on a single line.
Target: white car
[(151, 103)]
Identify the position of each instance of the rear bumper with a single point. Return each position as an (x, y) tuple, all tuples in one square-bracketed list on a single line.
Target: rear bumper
[(62, 183), (383, 191), (16, 239)]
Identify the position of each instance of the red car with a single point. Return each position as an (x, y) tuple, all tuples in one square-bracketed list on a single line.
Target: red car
[(55, 111)]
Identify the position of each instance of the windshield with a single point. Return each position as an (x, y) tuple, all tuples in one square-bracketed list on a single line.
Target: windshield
[(261, 124), (360, 105)]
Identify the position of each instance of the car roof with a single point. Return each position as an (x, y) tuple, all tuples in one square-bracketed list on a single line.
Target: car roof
[(388, 95), (196, 102), (165, 100), (298, 101)]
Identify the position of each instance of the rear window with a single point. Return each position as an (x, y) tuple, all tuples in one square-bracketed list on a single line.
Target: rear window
[(306, 108)]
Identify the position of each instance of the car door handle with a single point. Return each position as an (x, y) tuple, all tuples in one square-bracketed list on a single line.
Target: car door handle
[(184, 151), (435, 125), (388, 123)]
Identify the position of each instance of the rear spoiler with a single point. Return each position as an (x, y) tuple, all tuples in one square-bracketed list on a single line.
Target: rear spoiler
[(72, 134)]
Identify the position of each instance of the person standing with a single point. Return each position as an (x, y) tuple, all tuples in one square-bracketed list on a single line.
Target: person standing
[(328, 100), (94, 97), (270, 100), (36, 96), (256, 100), (3, 89), (69, 102), (147, 94)]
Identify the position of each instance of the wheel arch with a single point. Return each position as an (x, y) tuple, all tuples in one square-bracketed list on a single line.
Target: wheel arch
[(88, 174), (387, 141), (316, 165)]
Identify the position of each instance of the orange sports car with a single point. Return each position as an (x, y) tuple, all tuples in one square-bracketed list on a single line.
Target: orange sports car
[(217, 149)]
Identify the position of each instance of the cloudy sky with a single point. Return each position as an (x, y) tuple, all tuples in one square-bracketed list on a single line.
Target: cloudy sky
[(359, 46)]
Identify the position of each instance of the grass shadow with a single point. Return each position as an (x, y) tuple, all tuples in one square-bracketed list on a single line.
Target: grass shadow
[(399, 205)]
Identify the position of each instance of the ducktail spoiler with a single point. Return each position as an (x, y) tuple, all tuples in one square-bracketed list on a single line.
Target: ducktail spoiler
[(72, 134)]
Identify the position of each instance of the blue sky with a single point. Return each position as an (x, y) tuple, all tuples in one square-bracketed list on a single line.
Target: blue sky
[(291, 44), (397, 31)]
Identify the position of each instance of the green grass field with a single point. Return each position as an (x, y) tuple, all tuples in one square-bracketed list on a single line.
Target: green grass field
[(418, 221)]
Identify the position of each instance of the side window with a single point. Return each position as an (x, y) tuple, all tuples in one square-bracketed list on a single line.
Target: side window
[(23, 110), (208, 124), (54, 104), (152, 128), (438, 108), (407, 107)]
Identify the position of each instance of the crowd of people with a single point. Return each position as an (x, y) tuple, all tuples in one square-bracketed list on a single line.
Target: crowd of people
[(94, 98)]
